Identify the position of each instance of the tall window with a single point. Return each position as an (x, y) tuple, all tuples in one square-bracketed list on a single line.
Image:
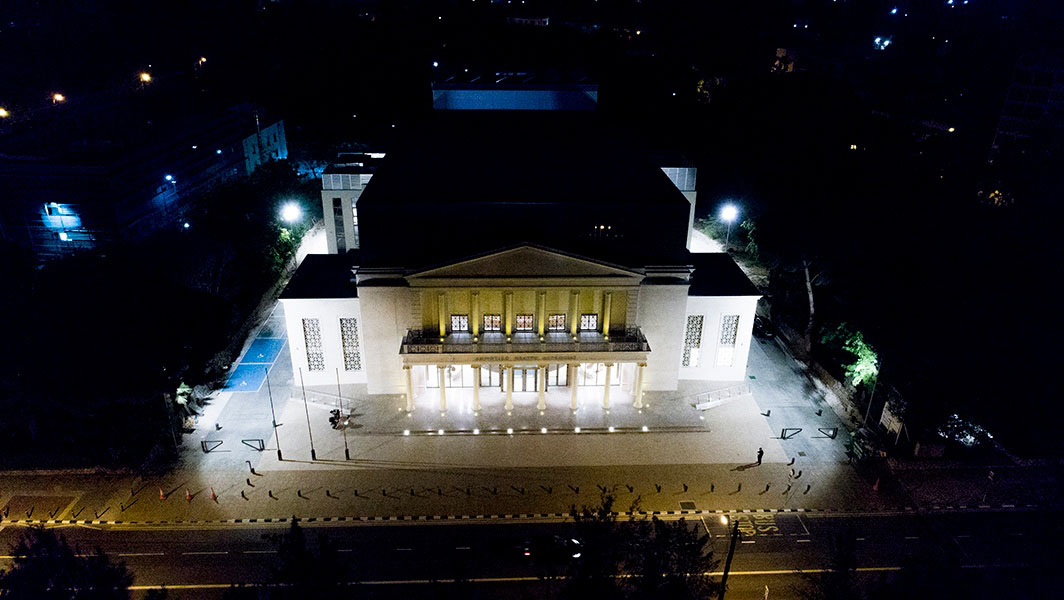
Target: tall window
[(338, 224), (692, 341), (556, 323), (459, 323), (589, 322), (492, 323), (349, 339), (524, 322), (729, 331), (312, 336)]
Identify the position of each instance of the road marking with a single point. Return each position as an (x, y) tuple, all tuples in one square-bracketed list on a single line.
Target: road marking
[(404, 549), (912, 537), (461, 547), (860, 539), (964, 535), (345, 550), (803, 541), (143, 554), (262, 551), (205, 553), (748, 541)]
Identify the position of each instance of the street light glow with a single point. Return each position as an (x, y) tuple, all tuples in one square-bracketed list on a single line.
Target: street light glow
[(3, 113), (57, 97), (168, 177), (145, 77), (729, 213), (202, 59), (291, 212)]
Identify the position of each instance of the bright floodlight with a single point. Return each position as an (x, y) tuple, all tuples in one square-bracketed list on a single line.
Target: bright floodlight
[(57, 97), (145, 77), (169, 177), (291, 212), (729, 213), (4, 113)]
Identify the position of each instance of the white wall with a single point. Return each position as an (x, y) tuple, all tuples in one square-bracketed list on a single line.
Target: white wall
[(328, 311), (712, 308), (348, 199), (660, 316), (386, 311)]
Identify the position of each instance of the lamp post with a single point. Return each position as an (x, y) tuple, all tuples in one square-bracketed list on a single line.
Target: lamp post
[(310, 432), (274, 413), (727, 563), (291, 212), (340, 398), (728, 213)]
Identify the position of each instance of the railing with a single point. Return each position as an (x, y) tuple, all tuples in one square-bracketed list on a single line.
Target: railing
[(424, 342)]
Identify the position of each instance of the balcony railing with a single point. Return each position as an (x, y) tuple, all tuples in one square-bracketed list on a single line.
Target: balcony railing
[(429, 342)]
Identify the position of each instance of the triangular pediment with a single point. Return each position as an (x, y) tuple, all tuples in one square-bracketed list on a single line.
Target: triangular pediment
[(526, 262)]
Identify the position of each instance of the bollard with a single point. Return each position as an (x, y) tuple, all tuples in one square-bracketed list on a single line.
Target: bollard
[(249, 482), (494, 491), (807, 488), (162, 496), (412, 492), (251, 468), (242, 495), (601, 488), (740, 488), (121, 507), (214, 496), (188, 495), (630, 488), (792, 461), (384, 492), (875, 487), (468, 492), (787, 490), (685, 487), (54, 512), (547, 488), (711, 488), (519, 490), (576, 490), (328, 494), (270, 494), (439, 491), (75, 515), (29, 512), (767, 485), (356, 492), (819, 411), (799, 475), (657, 486)]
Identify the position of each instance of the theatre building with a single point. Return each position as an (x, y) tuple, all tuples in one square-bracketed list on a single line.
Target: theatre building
[(517, 257)]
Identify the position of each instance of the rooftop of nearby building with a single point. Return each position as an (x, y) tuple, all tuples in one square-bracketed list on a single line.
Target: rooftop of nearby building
[(717, 274), (322, 276)]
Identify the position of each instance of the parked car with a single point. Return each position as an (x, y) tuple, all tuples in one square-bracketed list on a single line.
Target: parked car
[(763, 329)]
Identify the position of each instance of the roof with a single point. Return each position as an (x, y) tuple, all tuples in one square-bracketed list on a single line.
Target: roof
[(322, 276), (527, 157), (716, 274)]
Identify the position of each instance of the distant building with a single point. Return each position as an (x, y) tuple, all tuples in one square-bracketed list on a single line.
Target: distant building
[(130, 171), (1034, 102), (341, 185), (508, 256)]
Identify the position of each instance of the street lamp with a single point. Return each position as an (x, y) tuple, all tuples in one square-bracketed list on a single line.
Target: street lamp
[(57, 98), (291, 212), (145, 77), (728, 214), (4, 113)]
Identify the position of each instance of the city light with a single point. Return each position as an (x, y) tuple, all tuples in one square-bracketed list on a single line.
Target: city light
[(435, 63), (63, 236), (145, 77), (57, 98), (724, 519), (894, 11), (881, 42), (3, 113), (186, 225), (169, 177), (202, 59), (952, 129), (291, 212)]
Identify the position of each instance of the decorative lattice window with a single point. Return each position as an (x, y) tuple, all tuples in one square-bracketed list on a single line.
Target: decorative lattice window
[(692, 341), (349, 339), (312, 336), (524, 322), (589, 322), (492, 323), (729, 331), (459, 323), (556, 323)]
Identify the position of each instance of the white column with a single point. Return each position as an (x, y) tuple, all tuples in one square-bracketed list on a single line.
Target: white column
[(606, 392), (409, 389), (509, 388), (541, 375), (476, 388), (572, 383), (441, 370), (639, 385)]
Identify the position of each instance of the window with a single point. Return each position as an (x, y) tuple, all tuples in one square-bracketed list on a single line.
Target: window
[(349, 339), (459, 323), (556, 323), (312, 336), (692, 341), (524, 322), (729, 331), (492, 322), (589, 322), (338, 225)]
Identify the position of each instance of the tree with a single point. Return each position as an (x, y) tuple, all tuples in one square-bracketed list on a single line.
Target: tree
[(595, 572), (839, 580), (669, 560), (45, 567), (863, 367), (302, 572)]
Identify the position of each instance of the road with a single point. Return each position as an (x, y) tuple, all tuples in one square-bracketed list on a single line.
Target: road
[(404, 560)]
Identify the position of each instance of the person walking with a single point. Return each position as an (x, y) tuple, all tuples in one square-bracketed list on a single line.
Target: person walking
[(760, 454)]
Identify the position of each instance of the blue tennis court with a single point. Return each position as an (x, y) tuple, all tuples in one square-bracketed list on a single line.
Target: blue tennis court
[(263, 351), (246, 378)]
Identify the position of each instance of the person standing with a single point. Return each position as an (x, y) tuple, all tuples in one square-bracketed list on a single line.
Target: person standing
[(760, 454)]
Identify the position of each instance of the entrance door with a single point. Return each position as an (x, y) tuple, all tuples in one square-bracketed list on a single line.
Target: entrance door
[(525, 379)]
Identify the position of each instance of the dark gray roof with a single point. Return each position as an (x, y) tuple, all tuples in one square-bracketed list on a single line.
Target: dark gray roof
[(716, 274), (322, 276)]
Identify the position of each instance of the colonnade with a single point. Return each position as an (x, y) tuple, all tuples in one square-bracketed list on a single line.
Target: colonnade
[(541, 377)]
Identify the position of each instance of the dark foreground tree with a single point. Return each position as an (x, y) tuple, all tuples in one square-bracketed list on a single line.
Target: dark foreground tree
[(669, 559), (839, 580), (301, 572), (46, 567)]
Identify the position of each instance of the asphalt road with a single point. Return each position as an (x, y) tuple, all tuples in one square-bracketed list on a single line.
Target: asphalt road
[(405, 560)]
